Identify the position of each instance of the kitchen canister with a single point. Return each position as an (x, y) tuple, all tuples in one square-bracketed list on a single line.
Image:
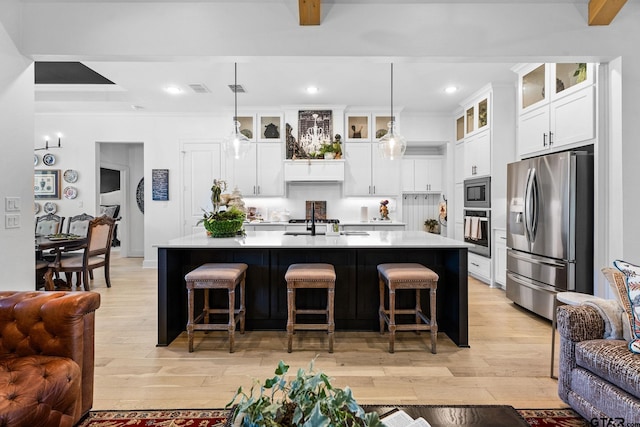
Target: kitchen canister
[(364, 214)]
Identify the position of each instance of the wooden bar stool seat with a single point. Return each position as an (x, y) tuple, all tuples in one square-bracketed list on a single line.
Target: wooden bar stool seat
[(216, 276), (407, 276), (310, 276)]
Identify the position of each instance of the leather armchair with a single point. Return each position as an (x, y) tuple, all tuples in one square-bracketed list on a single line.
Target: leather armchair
[(46, 357)]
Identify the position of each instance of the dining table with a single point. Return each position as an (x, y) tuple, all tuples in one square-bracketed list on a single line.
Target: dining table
[(56, 245)]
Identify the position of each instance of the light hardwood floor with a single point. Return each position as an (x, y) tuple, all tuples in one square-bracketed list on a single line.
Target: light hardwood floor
[(508, 362)]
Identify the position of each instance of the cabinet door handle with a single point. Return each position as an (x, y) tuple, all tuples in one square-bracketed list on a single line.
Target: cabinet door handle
[(254, 190), (544, 139), (550, 138), (374, 189), (477, 265), (258, 189)]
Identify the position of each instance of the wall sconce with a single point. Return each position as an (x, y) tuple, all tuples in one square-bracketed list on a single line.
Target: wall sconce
[(46, 143)]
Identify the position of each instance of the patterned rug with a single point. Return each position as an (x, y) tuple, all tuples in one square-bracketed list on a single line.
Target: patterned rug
[(553, 417), (218, 418)]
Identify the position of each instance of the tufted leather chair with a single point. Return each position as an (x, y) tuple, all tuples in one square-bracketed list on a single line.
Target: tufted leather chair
[(46, 357)]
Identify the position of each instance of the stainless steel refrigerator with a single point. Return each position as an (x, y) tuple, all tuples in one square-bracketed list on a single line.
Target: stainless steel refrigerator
[(549, 229)]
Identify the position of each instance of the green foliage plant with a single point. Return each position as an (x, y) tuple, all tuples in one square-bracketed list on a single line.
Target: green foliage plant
[(307, 400)]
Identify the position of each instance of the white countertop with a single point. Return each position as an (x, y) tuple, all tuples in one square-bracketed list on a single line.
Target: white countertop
[(276, 239)]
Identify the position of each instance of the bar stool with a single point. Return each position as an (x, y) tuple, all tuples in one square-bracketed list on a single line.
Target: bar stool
[(310, 276), (216, 276), (407, 276)]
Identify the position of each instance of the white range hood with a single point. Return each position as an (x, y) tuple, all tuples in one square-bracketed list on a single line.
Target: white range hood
[(305, 170)]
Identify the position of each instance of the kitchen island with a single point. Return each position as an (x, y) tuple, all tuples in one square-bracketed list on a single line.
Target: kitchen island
[(355, 256)]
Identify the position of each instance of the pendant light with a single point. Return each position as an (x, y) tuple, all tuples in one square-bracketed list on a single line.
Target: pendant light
[(236, 145), (392, 145)]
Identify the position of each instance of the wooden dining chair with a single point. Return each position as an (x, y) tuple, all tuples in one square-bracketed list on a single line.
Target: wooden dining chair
[(49, 224), (96, 254), (79, 224)]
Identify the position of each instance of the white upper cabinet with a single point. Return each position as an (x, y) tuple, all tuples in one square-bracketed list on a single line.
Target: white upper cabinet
[(556, 105), (260, 172), (422, 175), (477, 155), (476, 147), (367, 173)]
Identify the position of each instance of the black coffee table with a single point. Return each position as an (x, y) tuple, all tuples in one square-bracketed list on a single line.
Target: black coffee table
[(458, 415)]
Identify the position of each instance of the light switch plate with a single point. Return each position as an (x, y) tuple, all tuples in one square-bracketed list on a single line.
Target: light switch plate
[(11, 220), (12, 204)]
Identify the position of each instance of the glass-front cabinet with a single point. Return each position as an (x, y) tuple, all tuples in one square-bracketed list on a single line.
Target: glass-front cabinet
[(460, 128), (556, 104), (563, 79), (476, 116)]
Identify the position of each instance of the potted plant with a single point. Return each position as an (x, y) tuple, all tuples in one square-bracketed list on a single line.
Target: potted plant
[(221, 223), (307, 400), (332, 150), (432, 226)]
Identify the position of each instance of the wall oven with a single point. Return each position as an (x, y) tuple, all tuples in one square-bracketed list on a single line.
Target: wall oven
[(477, 231), (477, 193)]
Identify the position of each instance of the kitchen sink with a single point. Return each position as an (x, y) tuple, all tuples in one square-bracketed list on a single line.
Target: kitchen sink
[(322, 233)]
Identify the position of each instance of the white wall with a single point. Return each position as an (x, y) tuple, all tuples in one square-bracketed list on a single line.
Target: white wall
[(16, 176)]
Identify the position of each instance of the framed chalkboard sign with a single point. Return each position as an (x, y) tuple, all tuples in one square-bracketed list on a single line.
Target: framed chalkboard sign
[(160, 184)]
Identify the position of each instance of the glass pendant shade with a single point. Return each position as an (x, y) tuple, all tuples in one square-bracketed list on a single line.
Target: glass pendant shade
[(236, 145), (393, 145)]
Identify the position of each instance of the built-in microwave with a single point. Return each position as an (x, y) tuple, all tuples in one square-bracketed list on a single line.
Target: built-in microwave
[(477, 193)]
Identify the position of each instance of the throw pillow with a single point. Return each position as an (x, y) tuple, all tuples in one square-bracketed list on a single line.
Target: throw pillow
[(618, 286), (632, 279)]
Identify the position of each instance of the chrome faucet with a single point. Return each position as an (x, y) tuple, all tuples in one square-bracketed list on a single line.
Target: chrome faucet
[(313, 218)]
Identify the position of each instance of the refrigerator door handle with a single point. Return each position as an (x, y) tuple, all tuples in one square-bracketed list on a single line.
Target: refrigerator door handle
[(531, 205), (523, 281), (535, 260)]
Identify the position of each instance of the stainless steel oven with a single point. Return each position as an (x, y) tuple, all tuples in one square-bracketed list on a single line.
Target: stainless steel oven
[(477, 193), (477, 230)]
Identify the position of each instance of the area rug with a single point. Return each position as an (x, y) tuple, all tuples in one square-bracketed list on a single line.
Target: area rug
[(218, 418), (553, 418), (157, 418)]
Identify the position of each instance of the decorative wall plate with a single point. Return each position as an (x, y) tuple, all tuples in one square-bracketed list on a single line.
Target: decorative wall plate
[(36, 207), (70, 176), (49, 159), (50, 207), (70, 192), (140, 195), (36, 160)]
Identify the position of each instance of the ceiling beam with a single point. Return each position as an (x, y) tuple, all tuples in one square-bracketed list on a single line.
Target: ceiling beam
[(602, 12), (309, 12)]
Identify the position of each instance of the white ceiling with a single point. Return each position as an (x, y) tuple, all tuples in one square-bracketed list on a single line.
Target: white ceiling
[(353, 82), (418, 86)]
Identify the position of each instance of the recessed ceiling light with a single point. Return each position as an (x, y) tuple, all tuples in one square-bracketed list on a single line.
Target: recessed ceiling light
[(451, 89), (173, 90), (137, 107), (312, 90)]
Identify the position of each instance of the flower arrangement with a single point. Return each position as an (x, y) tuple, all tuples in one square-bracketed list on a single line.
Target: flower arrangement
[(219, 223), (308, 399), (384, 210)]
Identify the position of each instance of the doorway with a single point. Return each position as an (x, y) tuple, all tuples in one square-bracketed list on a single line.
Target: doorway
[(120, 168)]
